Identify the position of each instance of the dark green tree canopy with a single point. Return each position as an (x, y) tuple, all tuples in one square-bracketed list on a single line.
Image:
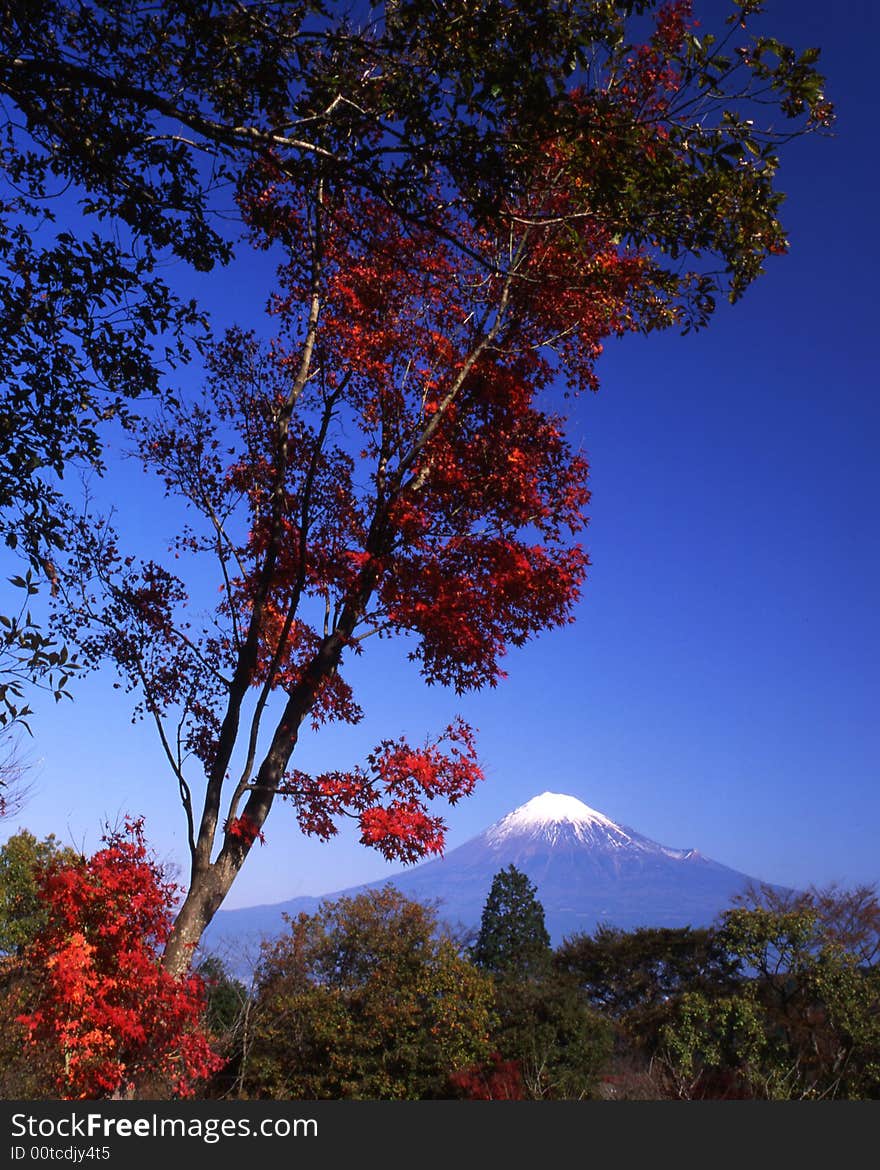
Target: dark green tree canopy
[(547, 1026), (624, 972), (513, 938), (22, 912)]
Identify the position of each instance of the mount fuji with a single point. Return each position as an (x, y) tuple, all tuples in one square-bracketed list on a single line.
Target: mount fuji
[(588, 870)]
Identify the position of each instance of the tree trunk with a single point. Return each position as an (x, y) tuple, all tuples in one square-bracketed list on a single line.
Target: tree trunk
[(206, 893), (211, 881)]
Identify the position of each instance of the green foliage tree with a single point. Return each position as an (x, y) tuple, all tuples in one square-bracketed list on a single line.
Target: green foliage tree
[(559, 1042), (365, 999), (543, 1021), (26, 1074), (635, 976), (713, 1047), (803, 1022), (635, 980), (22, 911), (513, 938), (225, 996), (227, 1010)]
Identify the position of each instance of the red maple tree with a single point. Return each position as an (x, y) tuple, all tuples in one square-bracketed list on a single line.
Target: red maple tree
[(102, 1008), (389, 464)]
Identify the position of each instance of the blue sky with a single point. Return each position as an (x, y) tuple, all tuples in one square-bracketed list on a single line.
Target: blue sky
[(719, 688)]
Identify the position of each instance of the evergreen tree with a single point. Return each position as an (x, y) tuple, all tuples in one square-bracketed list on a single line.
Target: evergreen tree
[(513, 938), (543, 1022)]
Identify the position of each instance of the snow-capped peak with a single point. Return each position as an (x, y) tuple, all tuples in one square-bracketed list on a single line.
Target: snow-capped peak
[(548, 813)]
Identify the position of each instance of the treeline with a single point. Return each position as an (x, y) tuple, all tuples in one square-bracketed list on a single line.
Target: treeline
[(372, 997)]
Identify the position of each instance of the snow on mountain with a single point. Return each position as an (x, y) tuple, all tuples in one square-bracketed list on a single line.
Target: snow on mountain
[(588, 870), (552, 814)]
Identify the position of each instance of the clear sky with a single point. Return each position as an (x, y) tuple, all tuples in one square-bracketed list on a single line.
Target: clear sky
[(719, 689)]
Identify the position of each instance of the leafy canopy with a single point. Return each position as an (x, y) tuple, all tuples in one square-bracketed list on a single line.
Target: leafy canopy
[(23, 859), (365, 999), (802, 1021)]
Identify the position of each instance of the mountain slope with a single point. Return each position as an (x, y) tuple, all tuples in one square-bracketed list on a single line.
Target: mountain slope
[(588, 870)]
